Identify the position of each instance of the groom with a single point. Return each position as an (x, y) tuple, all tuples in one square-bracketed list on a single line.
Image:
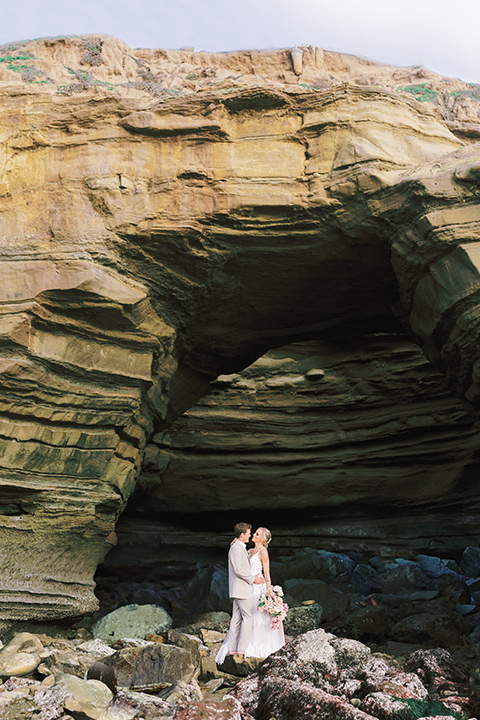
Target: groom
[(240, 586)]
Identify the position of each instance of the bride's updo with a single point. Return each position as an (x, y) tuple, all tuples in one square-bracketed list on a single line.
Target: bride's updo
[(266, 535)]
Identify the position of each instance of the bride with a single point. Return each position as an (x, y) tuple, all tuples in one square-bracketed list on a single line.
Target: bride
[(265, 640)]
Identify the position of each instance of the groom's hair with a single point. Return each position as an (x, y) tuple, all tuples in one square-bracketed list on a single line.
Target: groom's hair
[(240, 528)]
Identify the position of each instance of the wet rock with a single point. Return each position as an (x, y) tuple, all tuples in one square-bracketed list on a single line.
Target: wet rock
[(365, 623), (132, 621), (442, 576), (470, 562), (314, 564), (153, 667), (303, 618), (208, 591), (366, 579), (334, 602), (440, 629), (333, 566), (404, 579)]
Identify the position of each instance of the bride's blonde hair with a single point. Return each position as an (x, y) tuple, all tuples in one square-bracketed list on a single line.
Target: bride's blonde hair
[(266, 535)]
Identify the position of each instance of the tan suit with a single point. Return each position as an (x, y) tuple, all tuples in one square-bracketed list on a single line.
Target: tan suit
[(240, 585), (240, 575)]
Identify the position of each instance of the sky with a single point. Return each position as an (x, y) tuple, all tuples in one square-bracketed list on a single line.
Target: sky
[(443, 35)]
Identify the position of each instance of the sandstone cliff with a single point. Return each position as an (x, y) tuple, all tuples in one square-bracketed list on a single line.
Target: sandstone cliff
[(169, 216)]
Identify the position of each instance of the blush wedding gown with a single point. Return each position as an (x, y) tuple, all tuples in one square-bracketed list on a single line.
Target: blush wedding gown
[(264, 640)]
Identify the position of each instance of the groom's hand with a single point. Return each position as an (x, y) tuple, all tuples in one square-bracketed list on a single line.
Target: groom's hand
[(259, 579)]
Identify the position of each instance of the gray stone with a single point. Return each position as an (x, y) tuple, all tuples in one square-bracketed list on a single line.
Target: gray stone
[(132, 621), (128, 705), (405, 578), (188, 642), (350, 654), (219, 621), (441, 630), (24, 642), (334, 602), (153, 667), (88, 697), (208, 591), (470, 562), (366, 579), (302, 619)]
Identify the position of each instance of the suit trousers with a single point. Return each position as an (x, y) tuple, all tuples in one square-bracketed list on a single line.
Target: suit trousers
[(241, 624)]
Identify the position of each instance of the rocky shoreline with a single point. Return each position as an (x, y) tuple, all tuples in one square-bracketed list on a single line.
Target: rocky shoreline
[(367, 638)]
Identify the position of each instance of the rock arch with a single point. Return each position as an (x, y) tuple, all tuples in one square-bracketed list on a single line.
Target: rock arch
[(146, 249)]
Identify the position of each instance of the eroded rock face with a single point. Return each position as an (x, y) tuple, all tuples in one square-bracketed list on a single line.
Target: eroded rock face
[(159, 229), (365, 421)]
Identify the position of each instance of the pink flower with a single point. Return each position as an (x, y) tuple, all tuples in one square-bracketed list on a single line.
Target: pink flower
[(272, 603)]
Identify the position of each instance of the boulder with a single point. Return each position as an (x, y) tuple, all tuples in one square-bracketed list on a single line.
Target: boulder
[(303, 618), (365, 579), (153, 667), (470, 562), (440, 629), (296, 700), (21, 656), (207, 591), (404, 579), (228, 709), (333, 602), (314, 661), (89, 698), (364, 623), (218, 621), (132, 621), (388, 707), (438, 669), (127, 705)]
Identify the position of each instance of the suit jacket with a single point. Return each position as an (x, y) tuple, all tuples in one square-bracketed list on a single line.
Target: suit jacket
[(240, 574)]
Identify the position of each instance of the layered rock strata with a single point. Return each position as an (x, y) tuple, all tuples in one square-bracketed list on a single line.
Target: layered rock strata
[(365, 422), (154, 237)]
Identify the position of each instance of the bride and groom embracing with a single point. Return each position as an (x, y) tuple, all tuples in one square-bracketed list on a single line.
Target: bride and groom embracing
[(251, 633)]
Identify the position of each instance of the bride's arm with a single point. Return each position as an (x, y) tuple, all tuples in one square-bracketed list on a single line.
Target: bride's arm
[(266, 566)]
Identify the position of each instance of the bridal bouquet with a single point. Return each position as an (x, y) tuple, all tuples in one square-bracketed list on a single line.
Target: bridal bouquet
[(272, 603)]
